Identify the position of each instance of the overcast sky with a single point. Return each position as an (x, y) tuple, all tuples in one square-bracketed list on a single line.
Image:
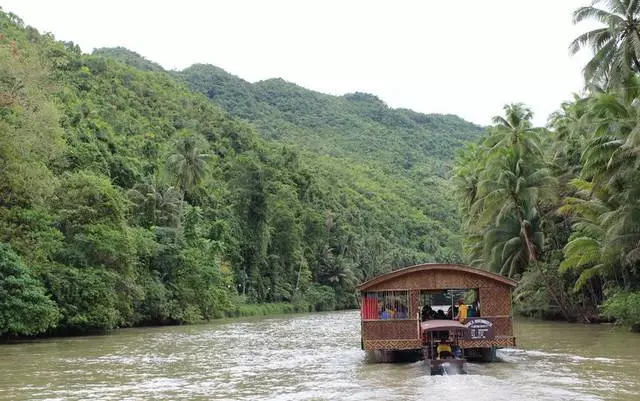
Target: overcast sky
[(465, 57)]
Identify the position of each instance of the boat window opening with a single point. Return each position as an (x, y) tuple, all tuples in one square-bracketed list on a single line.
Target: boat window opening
[(384, 305), (444, 304)]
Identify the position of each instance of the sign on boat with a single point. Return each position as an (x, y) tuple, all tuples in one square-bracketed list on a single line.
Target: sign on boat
[(420, 312)]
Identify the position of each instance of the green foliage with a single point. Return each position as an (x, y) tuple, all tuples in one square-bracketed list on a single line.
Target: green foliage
[(88, 298), (624, 307), (357, 125), (30, 137), (24, 307), (135, 200), (321, 298), (128, 57), (501, 183)]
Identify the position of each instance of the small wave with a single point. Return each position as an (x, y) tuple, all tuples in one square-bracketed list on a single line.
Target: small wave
[(538, 353)]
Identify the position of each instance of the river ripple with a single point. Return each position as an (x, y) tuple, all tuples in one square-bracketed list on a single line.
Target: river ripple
[(312, 357)]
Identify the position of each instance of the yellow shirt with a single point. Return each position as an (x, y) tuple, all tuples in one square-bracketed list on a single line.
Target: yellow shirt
[(443, 348), (462, 311)]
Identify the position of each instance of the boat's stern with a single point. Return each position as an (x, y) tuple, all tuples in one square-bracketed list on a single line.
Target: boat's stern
[(446, 366)]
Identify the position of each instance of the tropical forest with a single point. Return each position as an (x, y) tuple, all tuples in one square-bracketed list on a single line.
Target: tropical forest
[(131, 195)]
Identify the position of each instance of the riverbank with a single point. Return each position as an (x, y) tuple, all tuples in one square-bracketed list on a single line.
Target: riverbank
[(240, 310)]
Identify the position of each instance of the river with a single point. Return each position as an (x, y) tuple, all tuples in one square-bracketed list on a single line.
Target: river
[(312, 357)]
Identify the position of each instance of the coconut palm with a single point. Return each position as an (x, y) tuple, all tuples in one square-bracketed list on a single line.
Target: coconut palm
[(587, 252), (515, 130), (188, 166), (571, 129), (505, 251), (154, 205), (466, 174), (615, 46), (614, 146), (514, 186)]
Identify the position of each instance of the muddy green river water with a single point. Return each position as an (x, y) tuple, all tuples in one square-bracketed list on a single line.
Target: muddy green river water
[(312, 357)]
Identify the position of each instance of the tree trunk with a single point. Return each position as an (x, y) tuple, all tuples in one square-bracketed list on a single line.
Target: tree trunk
[(636, 63), (557, 298), (532, 254), (533, 260), (528, 240)]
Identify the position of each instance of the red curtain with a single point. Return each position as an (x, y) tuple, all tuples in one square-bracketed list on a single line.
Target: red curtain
[(369, 307)]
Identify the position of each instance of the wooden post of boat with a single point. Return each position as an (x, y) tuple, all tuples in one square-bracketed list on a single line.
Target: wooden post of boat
[(392, 339)]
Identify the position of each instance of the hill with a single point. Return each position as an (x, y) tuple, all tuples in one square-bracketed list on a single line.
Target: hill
[(128, 57), (356, 125)]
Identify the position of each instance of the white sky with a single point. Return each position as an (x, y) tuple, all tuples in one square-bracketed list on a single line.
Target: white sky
[(465, 57)]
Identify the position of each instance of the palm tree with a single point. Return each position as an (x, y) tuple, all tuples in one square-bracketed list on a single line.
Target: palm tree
[(605, 203), (466, 174), (614, 146), (169, 206), (505, 251), (515, 130), (500, 184), (155, 206), (616, 46), (187, 165), (514, 186), (586, 252)]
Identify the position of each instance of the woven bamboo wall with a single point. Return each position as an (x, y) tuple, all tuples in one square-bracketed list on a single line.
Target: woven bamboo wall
[(414, 303), (392, 344), (502, 326), (390, 329), (495, 301), (497, 342)]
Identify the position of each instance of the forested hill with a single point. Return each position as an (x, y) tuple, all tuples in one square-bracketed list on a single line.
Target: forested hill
[(127, 198), (356, 124)]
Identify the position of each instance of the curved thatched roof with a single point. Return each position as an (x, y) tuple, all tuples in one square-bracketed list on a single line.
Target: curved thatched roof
[(436, 266)]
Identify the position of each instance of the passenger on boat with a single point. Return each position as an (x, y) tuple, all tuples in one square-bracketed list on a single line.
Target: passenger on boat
[(457, 352), (444, 350), (403, 312), (387, 313), (451, 312), (462, 310), (476, 308), (427, 313)]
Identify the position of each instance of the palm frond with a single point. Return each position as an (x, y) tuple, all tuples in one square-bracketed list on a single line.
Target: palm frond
[(586, 275), (598, 14), (595, 39), (580, 252)]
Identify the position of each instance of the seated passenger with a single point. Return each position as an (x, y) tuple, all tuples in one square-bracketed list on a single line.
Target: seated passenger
[(427, 313), (444, 350), (457, 352), (403, 313), (440, 315), (451, 312), (388, 313)]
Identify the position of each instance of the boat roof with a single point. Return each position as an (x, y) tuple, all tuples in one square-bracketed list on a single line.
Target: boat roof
[(441, 325), (437, 266)]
